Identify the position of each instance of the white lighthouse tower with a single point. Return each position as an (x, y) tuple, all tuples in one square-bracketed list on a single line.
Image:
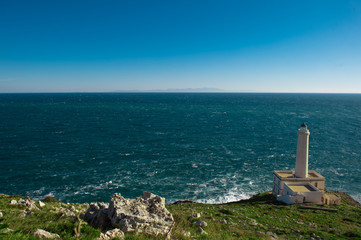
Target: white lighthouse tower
[(301, 170)]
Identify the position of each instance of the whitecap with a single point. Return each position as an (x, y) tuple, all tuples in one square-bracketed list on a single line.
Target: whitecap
[(232, 195), (357, 197), (39, 191)]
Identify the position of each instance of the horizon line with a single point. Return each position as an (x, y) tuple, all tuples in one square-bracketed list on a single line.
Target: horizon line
[(165, 91)]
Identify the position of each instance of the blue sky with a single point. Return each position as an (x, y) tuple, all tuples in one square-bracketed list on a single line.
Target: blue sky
[(256, 46)]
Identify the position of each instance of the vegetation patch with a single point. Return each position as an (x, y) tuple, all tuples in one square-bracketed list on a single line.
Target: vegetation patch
[(261, 217)]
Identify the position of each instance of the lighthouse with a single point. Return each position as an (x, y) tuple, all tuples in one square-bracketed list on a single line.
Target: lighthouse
[(301, 185), (301, 170)]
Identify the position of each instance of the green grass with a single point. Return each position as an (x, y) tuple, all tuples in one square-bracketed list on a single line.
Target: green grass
[(234, 221), (258, 218)]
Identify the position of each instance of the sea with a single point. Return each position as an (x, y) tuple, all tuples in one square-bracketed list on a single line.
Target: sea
[(204, 147)]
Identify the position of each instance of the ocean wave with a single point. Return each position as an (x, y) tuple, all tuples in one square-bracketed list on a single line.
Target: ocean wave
[(232, 195), (357, 197)]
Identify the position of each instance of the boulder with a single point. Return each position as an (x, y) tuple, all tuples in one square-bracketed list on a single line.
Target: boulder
[(97, 215), (13, 202), (111, 234), (41, 204), (197, 215), (145, 214), (1, 215), (29, 203), (185, 233), (201, 224), (40, 233)]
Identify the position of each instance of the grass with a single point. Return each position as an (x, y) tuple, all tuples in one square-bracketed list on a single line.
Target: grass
[(260, 217)]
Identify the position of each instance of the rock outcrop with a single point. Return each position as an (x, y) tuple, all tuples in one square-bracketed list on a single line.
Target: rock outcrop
[(97, 215), (28, 202), (40, 233), (41, 204), (145, 214), (111, 234)]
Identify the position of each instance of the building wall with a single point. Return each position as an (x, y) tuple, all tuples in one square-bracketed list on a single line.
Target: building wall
[(288, 199), (312, 197), (291, 197), (278, 184), (332, 199)]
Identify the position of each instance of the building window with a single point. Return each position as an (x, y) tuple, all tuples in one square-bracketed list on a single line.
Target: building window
[(316, 184)]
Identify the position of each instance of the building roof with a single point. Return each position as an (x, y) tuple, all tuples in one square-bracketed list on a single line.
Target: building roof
[(285, 174), (289, 175), (301, 188)]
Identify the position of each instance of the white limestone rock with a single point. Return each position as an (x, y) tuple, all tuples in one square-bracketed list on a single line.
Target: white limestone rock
[(111, 234), (197, 215), (41, 204), (13, 202), (29, 203), (1, 215), (186, 233), (146, 214), (40, 233)]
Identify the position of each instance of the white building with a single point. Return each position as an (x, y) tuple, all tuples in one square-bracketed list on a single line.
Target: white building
[(301, 185)]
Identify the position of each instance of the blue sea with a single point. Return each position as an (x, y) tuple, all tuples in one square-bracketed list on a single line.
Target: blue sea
[(206, 147)]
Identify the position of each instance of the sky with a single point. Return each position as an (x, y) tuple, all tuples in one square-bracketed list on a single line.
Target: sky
[(232, 46)]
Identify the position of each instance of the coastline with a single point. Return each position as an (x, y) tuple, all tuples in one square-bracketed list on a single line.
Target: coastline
[(260, 217)]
